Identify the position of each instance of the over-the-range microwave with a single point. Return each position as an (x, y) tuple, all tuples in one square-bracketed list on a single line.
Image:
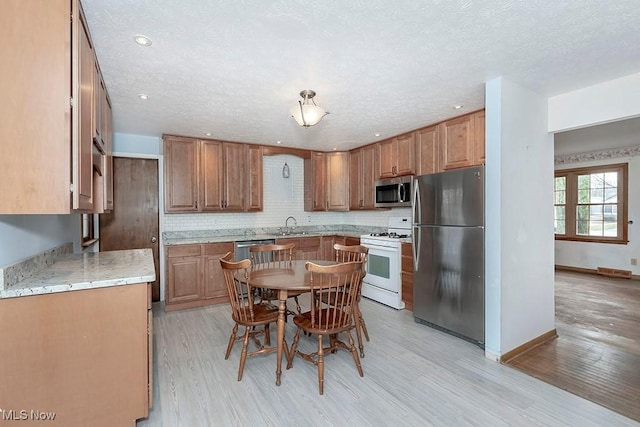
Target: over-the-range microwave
[(393, 192)]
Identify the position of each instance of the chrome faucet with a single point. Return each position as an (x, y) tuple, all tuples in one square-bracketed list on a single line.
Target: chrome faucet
[(286, 223)]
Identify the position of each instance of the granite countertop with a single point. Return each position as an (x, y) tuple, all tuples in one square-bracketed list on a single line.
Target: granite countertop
[(219, 236), (87, 271)]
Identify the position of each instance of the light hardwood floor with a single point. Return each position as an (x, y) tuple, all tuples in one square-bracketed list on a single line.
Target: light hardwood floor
[(413, 376)]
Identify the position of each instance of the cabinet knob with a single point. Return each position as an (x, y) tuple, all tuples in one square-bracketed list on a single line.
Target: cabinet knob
[(154, 239)]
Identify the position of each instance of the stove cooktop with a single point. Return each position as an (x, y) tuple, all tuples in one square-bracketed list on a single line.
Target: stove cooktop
[(390, 235)]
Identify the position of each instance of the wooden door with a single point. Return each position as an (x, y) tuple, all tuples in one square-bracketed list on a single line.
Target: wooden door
[(387, 153), (213, 282), (254, 178), (338, 181), (368, 176), (133, 222), (181, 174), (211, 176), (427, 150), (406, 151), (457, 137), (355, 179), (235, 159), (478, 122)]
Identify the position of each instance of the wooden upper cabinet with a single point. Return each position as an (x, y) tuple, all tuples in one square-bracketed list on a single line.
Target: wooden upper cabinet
[(427, 153), (211, 176), (253, 181), (315, 181), (338, 181), (234, 162), (397, 156), (107, 117), (326, 182), (457, 142), (479, 146), (83, 145), (362, 176), (181, 174)]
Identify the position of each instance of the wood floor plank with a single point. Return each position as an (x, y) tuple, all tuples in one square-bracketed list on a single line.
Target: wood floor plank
[(597, 352), (413, 376)]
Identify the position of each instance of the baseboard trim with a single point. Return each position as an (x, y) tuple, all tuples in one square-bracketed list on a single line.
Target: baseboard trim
[(510, 355), (586, 270)]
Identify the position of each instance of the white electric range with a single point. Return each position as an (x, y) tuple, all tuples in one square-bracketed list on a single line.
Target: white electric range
[(383, 281)]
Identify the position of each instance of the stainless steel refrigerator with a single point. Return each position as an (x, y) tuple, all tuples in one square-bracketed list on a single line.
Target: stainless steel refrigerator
[(448, 252)]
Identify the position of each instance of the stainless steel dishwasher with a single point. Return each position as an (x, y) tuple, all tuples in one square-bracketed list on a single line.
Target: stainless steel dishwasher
[(242, 247)]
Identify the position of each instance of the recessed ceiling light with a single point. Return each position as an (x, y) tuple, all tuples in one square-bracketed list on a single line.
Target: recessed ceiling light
[(376, 134), (142, 40), (278, 142), (457, 107), (143, 96), (208, 134), (334, 148)]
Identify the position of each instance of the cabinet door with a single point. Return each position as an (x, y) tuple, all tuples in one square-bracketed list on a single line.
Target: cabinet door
[(427, 150), (368, 176), (406, 151), (309, 248), (387, 157), (351, 241), (98, 93), (337, 181), (235, 159), (355, 180), (327, 248), (181, 174), (457, 137), (407, 275), (479, 143), (83, 153), (211, 176), (254, 179), (214, 285), (315, 181), (108, 140), (184, 281)]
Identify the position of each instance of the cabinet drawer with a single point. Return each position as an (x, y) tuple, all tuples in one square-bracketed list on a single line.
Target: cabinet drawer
[(217, 248), (183, 250)]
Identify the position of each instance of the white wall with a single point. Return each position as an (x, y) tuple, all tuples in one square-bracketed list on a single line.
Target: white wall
[(519, 212), (602, 103), (22, 236), (594, 255), (137, 144)]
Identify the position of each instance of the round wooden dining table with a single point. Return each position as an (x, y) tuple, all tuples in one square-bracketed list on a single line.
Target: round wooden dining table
[(293, 277)]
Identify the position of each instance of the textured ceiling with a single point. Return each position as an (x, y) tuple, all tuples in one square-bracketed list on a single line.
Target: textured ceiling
[(234, 68)]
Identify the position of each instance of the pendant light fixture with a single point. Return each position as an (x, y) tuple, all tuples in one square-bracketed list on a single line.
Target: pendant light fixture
[(307, 113)]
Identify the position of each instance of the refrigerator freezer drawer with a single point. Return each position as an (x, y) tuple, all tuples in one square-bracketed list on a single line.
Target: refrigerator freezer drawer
[(448, 283)]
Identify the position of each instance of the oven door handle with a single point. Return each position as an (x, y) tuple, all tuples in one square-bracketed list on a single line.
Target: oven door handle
[(379, 248)]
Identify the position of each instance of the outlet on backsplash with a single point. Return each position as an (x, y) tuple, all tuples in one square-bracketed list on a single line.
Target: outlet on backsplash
[(634, 261)]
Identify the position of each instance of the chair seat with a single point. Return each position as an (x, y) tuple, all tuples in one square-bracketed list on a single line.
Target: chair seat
[(262, 313), (304, 321)]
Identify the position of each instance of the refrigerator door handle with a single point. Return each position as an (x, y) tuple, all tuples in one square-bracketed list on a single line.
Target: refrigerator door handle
[(416, 202), (416, 246)]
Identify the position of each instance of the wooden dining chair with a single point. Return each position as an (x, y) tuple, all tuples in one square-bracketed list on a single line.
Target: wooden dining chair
[(245, 312), (273, 256), (347, 254), (329, 316)]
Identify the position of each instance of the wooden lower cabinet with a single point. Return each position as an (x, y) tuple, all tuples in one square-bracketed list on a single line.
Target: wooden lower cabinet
[(307, 248), (85, 355), (407, 275), (194, 276)]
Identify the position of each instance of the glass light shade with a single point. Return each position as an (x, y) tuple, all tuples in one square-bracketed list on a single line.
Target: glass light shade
[(308, 114)]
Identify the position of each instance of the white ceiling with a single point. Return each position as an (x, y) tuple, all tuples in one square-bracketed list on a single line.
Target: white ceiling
[(235, 67)]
